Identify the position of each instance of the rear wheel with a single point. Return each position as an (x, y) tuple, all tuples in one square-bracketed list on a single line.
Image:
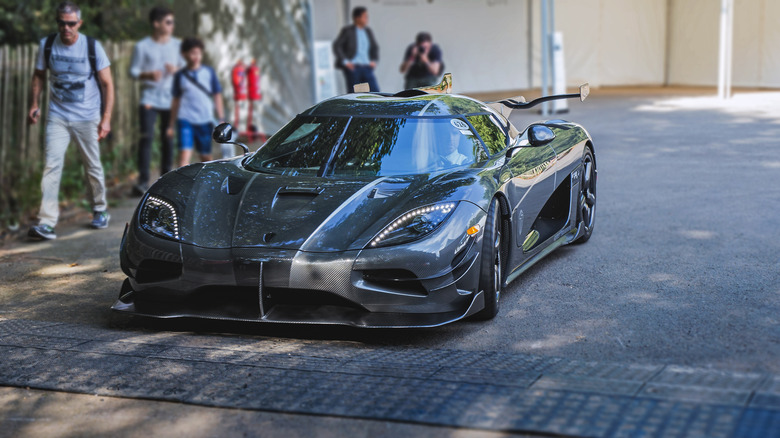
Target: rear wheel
[(491, 277), (587, 202)]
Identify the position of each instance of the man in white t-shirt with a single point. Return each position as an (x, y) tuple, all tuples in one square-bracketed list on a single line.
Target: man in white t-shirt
[(155, 59), (77, 81)]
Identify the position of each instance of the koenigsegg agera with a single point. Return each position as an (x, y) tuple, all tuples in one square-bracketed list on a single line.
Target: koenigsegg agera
[(373, 210)]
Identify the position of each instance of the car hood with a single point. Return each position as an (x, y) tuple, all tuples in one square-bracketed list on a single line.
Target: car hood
[(222, 205)]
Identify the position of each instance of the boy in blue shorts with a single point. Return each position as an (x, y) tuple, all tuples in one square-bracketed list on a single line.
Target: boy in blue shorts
[(196, 93)]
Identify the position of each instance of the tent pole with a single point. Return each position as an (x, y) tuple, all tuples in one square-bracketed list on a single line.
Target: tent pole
[(545, 55), (726, 43)]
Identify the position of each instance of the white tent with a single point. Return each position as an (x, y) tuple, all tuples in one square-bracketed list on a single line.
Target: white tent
[(492, 45)]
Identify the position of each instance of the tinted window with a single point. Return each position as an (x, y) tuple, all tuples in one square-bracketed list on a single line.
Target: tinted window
[(367, 146), (389, 146), (490, 131), (303, 146)]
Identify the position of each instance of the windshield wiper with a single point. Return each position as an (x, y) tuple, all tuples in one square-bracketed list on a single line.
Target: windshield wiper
[(324, 170)]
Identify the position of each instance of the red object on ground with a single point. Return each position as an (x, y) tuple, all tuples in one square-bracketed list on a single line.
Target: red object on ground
[(239, 81), (253, 76)]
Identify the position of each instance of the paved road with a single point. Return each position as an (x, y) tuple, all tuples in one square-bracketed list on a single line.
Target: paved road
[(683, 266)]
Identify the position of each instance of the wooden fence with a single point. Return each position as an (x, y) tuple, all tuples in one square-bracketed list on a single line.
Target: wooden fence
[(22, 145)]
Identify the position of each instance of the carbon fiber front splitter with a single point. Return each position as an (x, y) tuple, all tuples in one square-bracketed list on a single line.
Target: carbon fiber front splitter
[(294, 314)]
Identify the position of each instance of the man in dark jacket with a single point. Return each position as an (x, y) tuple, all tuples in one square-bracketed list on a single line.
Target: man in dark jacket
[(422, 62), (357, 52)]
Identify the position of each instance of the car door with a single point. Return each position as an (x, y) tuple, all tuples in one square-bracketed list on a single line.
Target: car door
[(532, 181)]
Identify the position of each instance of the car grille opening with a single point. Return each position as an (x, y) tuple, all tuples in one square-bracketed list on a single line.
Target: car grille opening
[(306, 298), (398, 280), (151, 271)]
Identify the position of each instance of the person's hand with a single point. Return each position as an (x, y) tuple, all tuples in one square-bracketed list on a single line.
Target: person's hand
[(170, 68), (350, 66), (372, 64), (169, 132), (104, 127), (415, 51), (154, 75), (33, 115)]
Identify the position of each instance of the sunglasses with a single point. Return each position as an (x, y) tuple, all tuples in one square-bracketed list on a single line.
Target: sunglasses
[(63, 23)]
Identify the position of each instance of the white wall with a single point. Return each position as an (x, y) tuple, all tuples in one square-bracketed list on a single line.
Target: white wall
[(607, 42), (494, 45), (695, 29), (484, 42)]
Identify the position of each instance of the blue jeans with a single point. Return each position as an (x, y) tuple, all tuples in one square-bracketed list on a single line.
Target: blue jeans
[(360, 74)]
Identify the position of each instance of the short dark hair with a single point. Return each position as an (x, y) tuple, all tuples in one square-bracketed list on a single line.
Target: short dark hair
[(68, 7), (423, 37), (358, 11), (158, 13), (190, 43)]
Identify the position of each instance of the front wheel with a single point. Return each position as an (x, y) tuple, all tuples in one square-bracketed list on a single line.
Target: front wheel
[(491, 277), (587, 203)]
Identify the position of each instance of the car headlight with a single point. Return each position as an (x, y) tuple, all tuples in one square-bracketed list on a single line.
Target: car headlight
[(414, 224), (159, 217)]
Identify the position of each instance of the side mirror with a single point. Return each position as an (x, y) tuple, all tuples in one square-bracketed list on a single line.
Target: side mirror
[(540, 135), (223, 134)]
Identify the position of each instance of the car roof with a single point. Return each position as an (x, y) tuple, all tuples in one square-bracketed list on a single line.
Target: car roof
[(379, 105)]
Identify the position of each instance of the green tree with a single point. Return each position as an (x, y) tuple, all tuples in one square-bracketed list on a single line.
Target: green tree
[(27, 22)]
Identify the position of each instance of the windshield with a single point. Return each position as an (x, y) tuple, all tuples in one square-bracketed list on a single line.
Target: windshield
[(365, 146)]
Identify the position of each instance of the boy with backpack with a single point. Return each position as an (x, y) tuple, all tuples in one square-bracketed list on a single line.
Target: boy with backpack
[(82, 97), (196, 94)]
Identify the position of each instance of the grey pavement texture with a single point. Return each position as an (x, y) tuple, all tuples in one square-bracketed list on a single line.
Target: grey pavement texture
[(683, 268), (499, 391), (36, 413)]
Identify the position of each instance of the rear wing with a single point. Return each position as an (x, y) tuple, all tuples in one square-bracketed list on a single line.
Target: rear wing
[(520, 103)]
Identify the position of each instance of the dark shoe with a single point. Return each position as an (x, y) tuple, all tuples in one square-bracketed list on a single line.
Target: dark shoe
[(139, 189), (100, 219), (42, 232)]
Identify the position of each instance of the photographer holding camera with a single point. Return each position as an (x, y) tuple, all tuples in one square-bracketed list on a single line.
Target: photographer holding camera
[(422, 62)]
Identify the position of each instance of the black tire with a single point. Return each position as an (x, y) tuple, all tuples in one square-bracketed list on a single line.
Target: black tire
[(491, 277), (586, 207)]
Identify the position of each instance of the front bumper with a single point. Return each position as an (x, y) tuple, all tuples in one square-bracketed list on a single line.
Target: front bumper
[(423, 284)]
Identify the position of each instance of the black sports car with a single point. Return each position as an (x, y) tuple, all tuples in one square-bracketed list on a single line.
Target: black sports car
[(368, 209)]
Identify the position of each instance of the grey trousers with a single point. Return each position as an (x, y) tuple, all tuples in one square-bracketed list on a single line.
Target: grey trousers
[(59, 134)]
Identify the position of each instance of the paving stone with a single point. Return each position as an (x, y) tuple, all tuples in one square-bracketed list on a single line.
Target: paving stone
[(43, 342), (10, 326), (596, 385), (509, 361), (417, 356), (692, 393), (119, 348), (216, 355), (488, 390), (604, 370), (369, 368), (79, 331), (686, 376), (758, 423), (661, 418), (771, 385), (766, 400), (487, 376)]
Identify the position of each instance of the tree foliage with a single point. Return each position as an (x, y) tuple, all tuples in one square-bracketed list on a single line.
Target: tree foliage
[(23, 22)]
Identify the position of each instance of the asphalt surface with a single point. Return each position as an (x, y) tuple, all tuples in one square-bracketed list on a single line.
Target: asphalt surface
[(683, 266)]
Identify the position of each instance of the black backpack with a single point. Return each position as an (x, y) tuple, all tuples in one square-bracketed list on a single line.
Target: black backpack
[(91, 43)]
